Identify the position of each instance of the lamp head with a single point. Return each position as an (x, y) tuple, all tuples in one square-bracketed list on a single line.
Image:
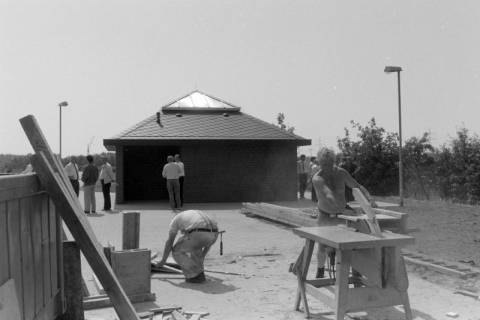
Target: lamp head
[(63, 104), (389, 69)]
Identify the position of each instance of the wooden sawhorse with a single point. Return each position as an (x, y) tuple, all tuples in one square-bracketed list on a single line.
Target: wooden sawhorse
[(378, 259)]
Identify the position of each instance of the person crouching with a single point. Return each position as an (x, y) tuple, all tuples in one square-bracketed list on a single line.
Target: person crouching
[(198, 233)]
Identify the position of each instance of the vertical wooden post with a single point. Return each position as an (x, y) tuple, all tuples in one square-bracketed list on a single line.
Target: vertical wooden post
[(131, 230), (72, 272)]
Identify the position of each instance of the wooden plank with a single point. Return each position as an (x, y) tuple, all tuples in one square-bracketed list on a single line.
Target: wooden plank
[(47, 170), (36, 229), (9, 305), (73, 282), (132, 267), (284, 215), (18, 186), (340, 238), (367, 208), (4, 268), (47, 286), (53, 247), (365, 298), (28, 263), (321, 294), (15, 266), (131, 230), (103, 301)]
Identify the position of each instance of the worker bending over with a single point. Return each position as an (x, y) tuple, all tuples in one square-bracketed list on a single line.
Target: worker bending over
[(329, 183), (199, 233)]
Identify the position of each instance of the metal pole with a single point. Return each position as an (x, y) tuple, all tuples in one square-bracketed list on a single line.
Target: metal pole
[(60, 149), (400, 160)]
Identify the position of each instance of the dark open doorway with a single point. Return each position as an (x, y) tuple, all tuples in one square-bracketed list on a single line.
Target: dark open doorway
[(143, 172)]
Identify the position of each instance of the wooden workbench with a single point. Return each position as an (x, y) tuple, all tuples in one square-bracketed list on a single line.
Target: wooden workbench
[(378, 259)]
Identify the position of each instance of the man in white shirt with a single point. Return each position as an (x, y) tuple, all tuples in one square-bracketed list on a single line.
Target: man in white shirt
[(106, 178), (179, 162), (171, 172), (199, 233), (72, 172)]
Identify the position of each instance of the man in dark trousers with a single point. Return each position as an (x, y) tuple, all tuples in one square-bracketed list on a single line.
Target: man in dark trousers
[(303, 171), (106, 178), (171, 172), (72, 172), (89, 178), (199, 232), (180, 164)]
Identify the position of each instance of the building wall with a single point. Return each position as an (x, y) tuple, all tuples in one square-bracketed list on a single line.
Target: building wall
[(240, 172), (237, 171)]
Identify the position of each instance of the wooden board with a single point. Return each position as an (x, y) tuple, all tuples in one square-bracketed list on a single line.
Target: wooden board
[(9, 306), (28, 265), (54, 180), (47, 288), (131, 230), (132, 267), (289, 216), (4, 269), (13, 211), (340, 238)]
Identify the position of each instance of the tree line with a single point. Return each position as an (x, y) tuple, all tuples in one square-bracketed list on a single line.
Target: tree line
[(12, 164), (450, 172)]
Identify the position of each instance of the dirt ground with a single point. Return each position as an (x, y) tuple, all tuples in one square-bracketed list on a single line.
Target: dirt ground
[(260, 251)]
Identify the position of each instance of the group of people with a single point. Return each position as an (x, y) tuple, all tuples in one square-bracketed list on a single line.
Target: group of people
[(90, 176), (305, 171), (174, 172)]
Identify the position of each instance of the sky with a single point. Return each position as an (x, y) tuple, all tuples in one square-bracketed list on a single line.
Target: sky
[(321, 63)]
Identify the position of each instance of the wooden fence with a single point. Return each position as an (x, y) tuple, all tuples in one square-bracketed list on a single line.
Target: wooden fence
[(31, 247)]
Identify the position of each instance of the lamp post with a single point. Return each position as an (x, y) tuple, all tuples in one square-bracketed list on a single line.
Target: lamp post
[(60, 105), (390, 69)]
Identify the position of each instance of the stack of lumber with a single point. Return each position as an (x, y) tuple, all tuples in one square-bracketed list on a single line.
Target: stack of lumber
[(289, 216), (174, 313)]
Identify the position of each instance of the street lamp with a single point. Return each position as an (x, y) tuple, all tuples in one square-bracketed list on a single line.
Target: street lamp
[(390, 69), (60, 105)]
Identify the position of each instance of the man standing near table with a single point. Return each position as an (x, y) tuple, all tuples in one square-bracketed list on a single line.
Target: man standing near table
[(106, 178), (329, 183)]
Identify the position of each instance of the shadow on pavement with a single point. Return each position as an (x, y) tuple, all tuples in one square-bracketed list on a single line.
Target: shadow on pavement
[(211, 286)]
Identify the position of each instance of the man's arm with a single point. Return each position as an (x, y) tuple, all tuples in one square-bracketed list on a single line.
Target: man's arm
[(352, 183), (110, 173), (167, 248), (164, 174)]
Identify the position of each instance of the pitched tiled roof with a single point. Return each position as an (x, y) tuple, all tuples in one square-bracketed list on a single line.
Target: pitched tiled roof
[(198, 116), (206, 126)]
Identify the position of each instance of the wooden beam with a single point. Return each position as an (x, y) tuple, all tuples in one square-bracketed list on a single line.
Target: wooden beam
[(54, 180), (72, 270), (10, 308), (131, 230)]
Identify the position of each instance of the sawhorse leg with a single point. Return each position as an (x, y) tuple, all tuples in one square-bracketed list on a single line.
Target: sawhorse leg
[(302, 276), (341, 285)]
